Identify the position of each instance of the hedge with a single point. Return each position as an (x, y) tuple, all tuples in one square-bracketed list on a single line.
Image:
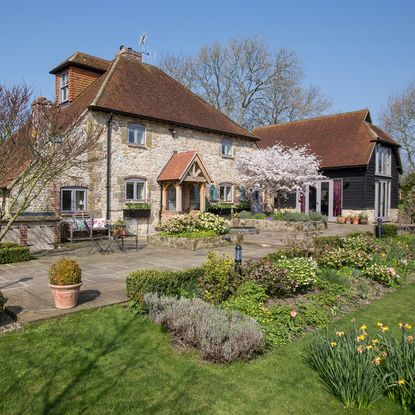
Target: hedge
[(167, 283), (388, 230), (10, 252), (2, 302)]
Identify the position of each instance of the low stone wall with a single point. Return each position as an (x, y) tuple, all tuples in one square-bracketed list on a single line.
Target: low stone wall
[(279, 225), (38, 232), (189, 243)]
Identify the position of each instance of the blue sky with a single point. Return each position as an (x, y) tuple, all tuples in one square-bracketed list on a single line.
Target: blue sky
[(358, 52)]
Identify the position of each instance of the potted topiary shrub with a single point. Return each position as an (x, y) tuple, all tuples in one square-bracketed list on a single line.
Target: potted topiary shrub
[(363, 218), (137, 210), (65, 282)]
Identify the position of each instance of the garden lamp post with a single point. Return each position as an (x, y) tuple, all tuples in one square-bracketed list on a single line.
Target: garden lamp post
[(379, 228), (238, 257)]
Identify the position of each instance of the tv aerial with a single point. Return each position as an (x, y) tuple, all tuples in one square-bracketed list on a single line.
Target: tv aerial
[(142, 41)]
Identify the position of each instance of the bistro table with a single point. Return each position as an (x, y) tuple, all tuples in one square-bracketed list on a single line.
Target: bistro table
[(115, 235)]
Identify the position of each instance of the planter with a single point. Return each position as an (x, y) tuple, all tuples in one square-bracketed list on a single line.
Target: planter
[(348, 220), (136, 213), (363, 221), (341, 219), (65, 296), (355, 221)]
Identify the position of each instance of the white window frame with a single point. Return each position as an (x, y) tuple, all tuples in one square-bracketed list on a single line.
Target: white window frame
[(225, 186), (383, 158), (226, 143), (64, 87), (73, 191), (135, 182), (136, 128)]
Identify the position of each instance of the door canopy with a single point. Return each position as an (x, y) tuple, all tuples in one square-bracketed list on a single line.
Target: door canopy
[(185, 167)]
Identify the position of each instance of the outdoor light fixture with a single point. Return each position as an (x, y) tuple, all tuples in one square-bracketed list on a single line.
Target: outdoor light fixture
[(173, 132), (379, 227), (238, 257), (81, 205)]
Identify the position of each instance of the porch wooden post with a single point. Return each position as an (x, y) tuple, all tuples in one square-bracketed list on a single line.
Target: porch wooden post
[(164, 195), (178, 197), (202, 197)]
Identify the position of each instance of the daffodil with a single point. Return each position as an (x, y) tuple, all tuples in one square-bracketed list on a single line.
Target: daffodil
[(333, 344), (384, 328), (369, 347), (401, 382), (408, 326), (377, 361), (363, 327), (375, 341), (401, 325), (379, 324), (360, 349), (360, 338), (339, 333)]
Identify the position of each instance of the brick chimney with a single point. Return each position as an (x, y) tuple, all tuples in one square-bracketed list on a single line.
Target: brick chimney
[(129, 53)]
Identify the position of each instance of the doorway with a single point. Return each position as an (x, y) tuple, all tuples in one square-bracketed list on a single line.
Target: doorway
[(382, 199), (325, 197)]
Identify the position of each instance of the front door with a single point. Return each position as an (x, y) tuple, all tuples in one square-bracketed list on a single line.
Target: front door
[(382, 199), (194, 197)]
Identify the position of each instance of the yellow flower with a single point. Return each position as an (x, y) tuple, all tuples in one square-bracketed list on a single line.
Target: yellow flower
[(377, 361), (400, 325), (360, 349), (384, 328), (363, 327), (410, 339), (375, 341), (383, 254), (333, 344), (379, 324), (360, 338), (401, 382), (408, 326), (339, 333), (369, 347), (384, 354)]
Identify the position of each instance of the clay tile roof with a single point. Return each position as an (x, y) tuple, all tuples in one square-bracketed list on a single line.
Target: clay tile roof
[(83, 60), (340, 140), (136, 88), (176, 167)]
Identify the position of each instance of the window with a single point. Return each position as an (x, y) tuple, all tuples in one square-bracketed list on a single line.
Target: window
[(242, 194), (64, 87), (135, 189), (383, 161), (73, 199), (213, 193), (225, 193), (226, 148), (136, 135)]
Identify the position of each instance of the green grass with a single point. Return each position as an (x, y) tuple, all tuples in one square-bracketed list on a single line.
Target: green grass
[(109, 361)]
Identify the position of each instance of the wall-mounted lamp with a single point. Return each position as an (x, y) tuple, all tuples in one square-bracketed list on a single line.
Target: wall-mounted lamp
[(173, 132)]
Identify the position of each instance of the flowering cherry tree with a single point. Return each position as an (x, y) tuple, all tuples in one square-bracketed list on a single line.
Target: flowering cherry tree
[(279, 170)]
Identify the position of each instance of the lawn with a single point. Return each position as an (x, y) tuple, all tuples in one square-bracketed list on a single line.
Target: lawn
[(110, 361)]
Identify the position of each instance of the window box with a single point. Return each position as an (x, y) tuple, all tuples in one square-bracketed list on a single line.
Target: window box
[(137, 210)]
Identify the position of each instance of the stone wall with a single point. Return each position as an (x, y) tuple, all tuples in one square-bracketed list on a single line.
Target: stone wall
[(393, 214), (279, 225)]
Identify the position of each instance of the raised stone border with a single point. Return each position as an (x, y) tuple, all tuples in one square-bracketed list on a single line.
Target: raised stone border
[(190, 243), (280, 225)]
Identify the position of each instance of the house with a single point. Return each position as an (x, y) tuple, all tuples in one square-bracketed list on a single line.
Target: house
[(361, 164), (161, 144)]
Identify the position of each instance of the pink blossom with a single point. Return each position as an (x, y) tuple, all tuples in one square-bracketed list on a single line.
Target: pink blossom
[(392, 271), (293, 313)]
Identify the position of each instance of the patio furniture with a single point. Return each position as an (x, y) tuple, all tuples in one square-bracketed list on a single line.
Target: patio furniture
[(127, 234), (78, 230), (94, 238), (115, 233)]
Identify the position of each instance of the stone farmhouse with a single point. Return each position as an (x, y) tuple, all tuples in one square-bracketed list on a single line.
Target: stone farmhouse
[(162, 144)]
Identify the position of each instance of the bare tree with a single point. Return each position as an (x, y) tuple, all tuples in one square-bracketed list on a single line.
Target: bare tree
[(249, 83), (36, 148), (398, 119)]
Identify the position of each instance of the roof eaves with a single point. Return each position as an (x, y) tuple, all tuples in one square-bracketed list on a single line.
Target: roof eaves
[(171, 122), (187, 168)]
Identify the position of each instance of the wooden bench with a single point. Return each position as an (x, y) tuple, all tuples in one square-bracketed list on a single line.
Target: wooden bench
[(79, 232)]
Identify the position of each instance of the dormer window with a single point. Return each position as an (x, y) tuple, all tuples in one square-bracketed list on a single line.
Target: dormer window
[(226, 148), (64, 87)]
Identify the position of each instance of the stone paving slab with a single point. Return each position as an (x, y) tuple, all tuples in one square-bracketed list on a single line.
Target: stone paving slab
[(26, 284)]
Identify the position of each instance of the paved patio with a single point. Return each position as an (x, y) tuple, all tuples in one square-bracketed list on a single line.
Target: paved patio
[(26, 284)]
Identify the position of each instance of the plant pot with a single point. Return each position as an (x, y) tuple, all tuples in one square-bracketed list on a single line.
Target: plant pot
[(355, 221), (341, 219), (347, 220), (136, 213), (363, 221), (65, 296)]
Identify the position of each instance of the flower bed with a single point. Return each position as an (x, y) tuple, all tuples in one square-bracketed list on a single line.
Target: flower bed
[(292, 291)]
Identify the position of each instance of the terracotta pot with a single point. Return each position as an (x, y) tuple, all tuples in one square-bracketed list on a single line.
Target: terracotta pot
[(341, 219), (348, 220), (363, 221), (355, 221), (65, 296)]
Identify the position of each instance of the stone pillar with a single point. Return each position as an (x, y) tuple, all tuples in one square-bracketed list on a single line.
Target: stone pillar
[(178, 197), (23, 235), (202, 197)]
